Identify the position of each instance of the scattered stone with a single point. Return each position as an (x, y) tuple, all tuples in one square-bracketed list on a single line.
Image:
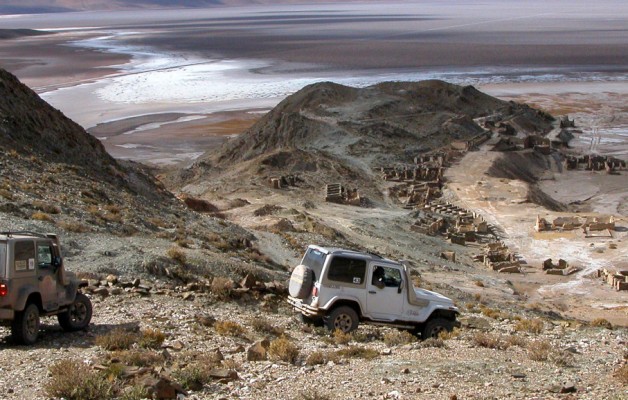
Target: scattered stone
[(257, 351)]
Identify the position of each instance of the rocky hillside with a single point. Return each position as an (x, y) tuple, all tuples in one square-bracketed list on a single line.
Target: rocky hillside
[(328, 131), (58, 178)]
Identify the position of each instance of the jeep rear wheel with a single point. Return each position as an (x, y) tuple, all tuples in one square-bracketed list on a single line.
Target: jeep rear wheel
[(78, 316), (434, 327), (25, 326), (343, 318)]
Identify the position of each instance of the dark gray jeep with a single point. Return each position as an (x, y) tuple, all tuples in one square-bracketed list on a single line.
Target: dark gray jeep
[(33, 283)]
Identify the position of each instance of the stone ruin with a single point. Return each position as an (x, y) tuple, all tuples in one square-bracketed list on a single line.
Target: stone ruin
[(416, 195), (594, 163), (442, 217), (589, 224), (336, 193), (562, 268), (284, 181), (498, 257), (617, 279), (469, 144), (565, 122)]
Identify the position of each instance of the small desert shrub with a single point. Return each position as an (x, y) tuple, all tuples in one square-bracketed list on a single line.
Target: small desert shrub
[(73, 380), (221, 288), (262, 325), (45, 207), (229, 328), (478, 283), (490, 341), (283, 349), (621, 374), (151, 338), (113, 371), (602, 322), (192, 376), (117, 339), (448, 335), (358, 352), (319, 357), (516, 340), (176, 255), (113, 209), (395, 338), (314, 395), (6, 194), (40, 216), (539, 350), (137, 358), (73, 226), (185, 243), (341, 337), (433, 342), (137, 392), (490, 312), (529, 325), (562, 358)]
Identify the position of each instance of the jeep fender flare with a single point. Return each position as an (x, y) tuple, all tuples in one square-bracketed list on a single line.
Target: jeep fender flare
[(24, 294), (338, 301), (442, 312)]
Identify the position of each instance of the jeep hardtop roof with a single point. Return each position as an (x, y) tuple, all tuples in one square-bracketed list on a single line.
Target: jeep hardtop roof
[(25, 235), (363, 254)]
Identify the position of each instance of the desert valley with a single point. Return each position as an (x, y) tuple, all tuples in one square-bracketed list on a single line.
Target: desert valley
[(187, 157)]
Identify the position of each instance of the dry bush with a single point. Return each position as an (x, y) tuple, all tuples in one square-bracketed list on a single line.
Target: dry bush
[(539, 350), (185, 243), (478, 283), (396, 338), (621, 374), (530, 325), (151, 338), (6, 194), (40, 216), (193, 376), (72, 380), (562, 358), (283, 349), (319, 358), (490, 341), (262, 325), (221, 288), (341, 337), (516, 340), (158, 222), (113, 208), (448, 335), (176, 255), (46, 207), (137, 392), (602, 322), (229, 328), (490, 312), (117, 339), (73, 226), (137, 358), (358, 352)]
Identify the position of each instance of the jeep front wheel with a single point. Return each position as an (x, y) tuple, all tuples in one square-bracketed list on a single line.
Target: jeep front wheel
[(434, 327), (78, 316), (343, 318), (25, 326)]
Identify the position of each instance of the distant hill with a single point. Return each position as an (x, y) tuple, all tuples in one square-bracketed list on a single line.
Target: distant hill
[(327, 132), (52, 6)]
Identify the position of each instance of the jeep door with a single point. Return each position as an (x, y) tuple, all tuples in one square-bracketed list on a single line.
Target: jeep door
[(47, 276), (384, 299)]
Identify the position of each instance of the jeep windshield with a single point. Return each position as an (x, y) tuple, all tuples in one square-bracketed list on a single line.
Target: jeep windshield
[(315, 259), (3, 258)]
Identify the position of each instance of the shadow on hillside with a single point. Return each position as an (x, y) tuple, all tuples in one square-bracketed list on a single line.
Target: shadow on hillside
[(51, 335)]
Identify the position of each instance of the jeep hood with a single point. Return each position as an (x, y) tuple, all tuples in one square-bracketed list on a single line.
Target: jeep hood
[(435, 297)]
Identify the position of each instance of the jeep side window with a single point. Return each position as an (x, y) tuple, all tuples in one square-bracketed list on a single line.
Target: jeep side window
[(44, 255), (314, 259), (347, 270), (24, 255), (390, 277)]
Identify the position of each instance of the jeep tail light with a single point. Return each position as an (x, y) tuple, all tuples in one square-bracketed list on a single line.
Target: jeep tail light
[(314, 291), (3, 289)]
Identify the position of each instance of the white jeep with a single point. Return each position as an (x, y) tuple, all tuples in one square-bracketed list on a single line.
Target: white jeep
[(342, 288)]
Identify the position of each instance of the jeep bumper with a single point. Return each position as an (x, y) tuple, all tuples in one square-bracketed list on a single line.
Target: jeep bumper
[(304, 309), (6, 313)]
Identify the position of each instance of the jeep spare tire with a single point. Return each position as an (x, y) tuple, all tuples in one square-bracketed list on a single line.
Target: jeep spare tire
[(301, 282)]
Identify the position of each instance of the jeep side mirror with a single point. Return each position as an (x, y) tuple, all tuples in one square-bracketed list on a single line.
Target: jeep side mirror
[(400, 288), (56, 261)]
